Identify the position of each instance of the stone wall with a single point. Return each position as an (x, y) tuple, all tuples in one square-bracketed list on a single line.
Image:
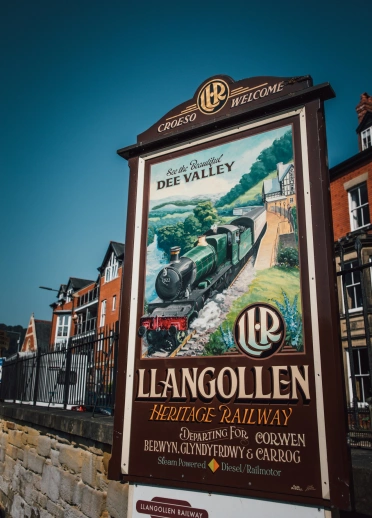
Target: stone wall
[(44, 475)]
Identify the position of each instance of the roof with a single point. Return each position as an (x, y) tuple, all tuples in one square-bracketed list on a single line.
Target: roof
[(271, 186), (117, 248), (358, 160), (365, 123), (78, 284), (43, 329), (283, 169)]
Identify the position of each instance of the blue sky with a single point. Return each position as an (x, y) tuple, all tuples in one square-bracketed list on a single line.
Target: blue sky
[(81, 78)]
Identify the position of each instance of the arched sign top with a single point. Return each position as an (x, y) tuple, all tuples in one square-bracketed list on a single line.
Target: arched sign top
[(220, 97)]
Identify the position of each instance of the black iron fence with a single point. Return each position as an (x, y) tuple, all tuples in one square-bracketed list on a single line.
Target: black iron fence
[(356, 330), (80, 375)]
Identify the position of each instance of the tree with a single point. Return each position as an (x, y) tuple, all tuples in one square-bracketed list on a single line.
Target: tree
[(206, 214)]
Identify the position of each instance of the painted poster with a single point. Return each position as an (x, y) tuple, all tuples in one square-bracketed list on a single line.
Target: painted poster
[(223, 236)]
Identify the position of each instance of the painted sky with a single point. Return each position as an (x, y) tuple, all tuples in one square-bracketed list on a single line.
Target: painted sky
[(81, 78), (239, 155)]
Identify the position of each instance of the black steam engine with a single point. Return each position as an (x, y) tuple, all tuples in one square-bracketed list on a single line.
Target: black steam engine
[(186, 283)]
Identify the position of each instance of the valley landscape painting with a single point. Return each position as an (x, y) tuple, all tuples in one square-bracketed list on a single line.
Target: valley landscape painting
[(222, 234)]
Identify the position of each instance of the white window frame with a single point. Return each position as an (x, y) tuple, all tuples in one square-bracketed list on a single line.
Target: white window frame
[(343, 277), (103, 313), (61, 323), (114, 303), (353, 222), (362, 403), (366, 138), (112, 267)]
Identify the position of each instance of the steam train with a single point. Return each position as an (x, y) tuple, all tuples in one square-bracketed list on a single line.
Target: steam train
[(186, 283)]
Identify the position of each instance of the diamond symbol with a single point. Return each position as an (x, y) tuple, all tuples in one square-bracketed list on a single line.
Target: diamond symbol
[(213, 465)]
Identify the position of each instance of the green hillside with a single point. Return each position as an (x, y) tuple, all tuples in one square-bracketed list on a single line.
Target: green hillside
[(249, 195)]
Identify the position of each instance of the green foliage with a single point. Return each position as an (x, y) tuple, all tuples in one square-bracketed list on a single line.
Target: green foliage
[(184, 234), (150, 235), (192, 226), (219, 343), (293, 321), (280, 151), (287, 257), (180, 203), (295, 222), (206, 214)]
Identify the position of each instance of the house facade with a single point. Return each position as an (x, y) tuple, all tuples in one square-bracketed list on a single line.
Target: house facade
[(279, 193), (351, 195), (37, 336), (88, 308)]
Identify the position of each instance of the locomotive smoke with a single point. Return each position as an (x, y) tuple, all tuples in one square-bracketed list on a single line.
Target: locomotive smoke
[(215, 311)]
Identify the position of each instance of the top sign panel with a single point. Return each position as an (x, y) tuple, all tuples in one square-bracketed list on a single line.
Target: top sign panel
[(220, 97)]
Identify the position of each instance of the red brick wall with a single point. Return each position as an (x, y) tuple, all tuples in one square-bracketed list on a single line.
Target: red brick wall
[(66, 307), (340, 201), (107, 291)]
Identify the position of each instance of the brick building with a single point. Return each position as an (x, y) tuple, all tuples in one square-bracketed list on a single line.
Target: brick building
[(88, 308), (37, 336), (351, 194)]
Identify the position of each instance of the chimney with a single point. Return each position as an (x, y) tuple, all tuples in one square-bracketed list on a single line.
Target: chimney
[(364, 106), (202, 241), (175, 254)]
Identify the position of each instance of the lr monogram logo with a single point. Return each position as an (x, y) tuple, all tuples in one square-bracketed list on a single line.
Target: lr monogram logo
[(259, 330), (213, 96)]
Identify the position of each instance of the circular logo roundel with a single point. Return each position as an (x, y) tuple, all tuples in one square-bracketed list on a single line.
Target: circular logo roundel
[(259, 331), (213, 96)]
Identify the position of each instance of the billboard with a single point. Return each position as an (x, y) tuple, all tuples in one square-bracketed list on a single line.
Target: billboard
[(228, 330)]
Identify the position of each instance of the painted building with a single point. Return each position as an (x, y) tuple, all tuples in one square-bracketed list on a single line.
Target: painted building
[(279, 193), (351, 194)]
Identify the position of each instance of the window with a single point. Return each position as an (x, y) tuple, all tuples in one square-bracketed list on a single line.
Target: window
[(111, 271), (103, 313), (358, 207), (62, 330), (114, 303), (100, 342), (361, 371), (353, 288), (366, 136)]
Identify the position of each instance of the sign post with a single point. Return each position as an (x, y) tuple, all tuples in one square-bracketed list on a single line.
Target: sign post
[(229, 332)]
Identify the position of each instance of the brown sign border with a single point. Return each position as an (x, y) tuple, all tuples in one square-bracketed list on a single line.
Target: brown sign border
[(331, 363)]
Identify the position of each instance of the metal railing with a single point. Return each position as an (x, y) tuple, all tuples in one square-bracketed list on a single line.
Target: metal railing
[(86, 326), (90, 296), (356, 306), (81, 374)]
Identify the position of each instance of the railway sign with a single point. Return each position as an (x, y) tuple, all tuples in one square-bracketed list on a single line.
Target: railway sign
[(229, 331)]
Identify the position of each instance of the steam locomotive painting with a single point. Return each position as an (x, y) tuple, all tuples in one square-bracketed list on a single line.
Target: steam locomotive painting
[(185, 284)]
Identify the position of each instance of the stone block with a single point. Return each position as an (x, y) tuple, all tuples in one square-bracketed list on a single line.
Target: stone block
[(15, 438), (93, 502), (41, 499), (106, 460), (117, 499), (20, 509), (73, 512), (10, 425), (67, 488), (4, 485), (55, 510), (35, 462), (43, 446), (89, 468), (54, 457), (102, 482), (71, 458), (9, 467), (77, 496), (45, 514), (12, 451), (50, 482)]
